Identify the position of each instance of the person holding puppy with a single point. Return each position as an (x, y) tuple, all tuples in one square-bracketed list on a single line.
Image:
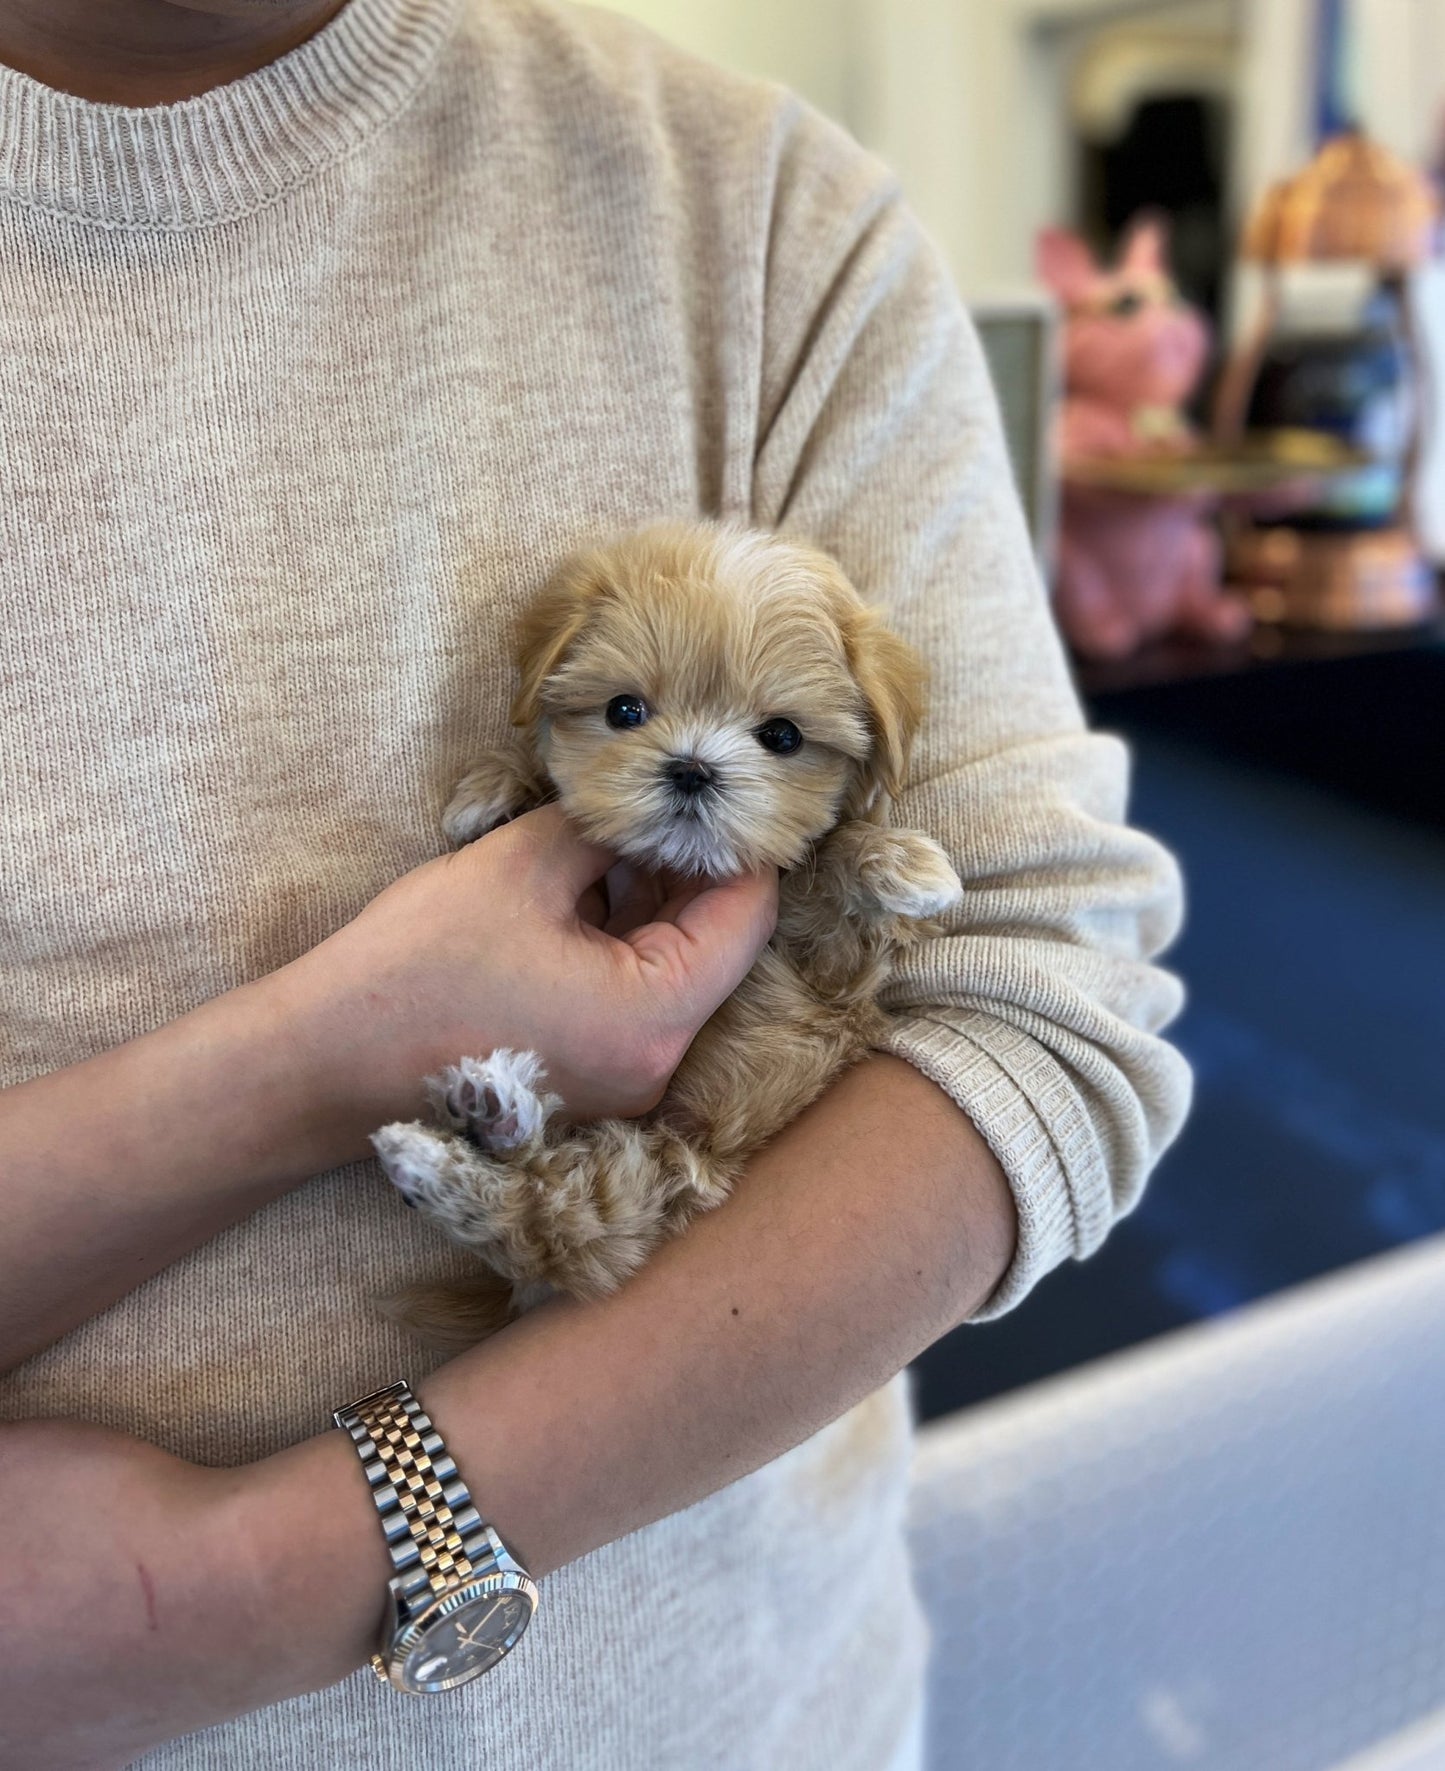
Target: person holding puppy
[(330, 330)]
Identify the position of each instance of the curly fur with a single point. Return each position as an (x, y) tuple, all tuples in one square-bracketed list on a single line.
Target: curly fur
[(718, 631)]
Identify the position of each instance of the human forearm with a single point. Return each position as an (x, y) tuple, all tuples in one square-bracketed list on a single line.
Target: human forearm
[(112, 1168), (867, 1229), (115, 1167), (875, 1223)]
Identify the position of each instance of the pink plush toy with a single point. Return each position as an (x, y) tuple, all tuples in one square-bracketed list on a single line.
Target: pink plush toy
[(1132, 567)]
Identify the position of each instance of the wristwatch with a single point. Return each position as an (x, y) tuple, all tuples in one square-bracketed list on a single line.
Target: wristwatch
[(459, 1600)]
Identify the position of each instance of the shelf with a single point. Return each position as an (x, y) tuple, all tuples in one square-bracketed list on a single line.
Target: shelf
[(1365, 722), (1177, 661)]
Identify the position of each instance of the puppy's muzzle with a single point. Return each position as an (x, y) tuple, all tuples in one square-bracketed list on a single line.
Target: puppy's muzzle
[(689, 776)]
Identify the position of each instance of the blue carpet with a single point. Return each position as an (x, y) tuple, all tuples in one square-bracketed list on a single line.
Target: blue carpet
[(1314, 956)]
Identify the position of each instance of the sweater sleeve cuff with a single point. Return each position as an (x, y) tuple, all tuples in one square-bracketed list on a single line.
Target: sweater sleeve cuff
[(1030, 1114)]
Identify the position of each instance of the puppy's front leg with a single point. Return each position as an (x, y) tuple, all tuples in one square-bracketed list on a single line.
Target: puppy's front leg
[(579, 1209), (877, 873), (505, 783)]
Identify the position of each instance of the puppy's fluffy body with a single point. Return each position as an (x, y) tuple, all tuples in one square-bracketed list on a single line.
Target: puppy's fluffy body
[(732, 644)]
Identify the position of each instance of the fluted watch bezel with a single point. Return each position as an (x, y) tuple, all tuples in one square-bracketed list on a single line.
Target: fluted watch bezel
[(404, 1638)]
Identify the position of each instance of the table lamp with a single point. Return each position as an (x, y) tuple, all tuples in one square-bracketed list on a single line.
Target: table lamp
[(1334, 353)]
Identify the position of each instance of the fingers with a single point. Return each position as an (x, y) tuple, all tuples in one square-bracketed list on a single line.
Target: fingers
[(737, 913), (697, 947)]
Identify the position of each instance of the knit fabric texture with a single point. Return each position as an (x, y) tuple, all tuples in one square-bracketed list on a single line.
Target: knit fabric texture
[(309, 382)]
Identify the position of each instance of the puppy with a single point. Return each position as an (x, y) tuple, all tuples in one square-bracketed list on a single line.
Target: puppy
[(701, 700)]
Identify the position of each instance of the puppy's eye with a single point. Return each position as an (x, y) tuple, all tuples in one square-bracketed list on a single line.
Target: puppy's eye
[(780, 736), (626, 710)]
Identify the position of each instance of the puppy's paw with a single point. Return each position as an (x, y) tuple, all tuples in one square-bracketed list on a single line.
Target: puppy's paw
[(447, 1179), (418, 1161), (497, 1101), (498, 789), (908, 874)]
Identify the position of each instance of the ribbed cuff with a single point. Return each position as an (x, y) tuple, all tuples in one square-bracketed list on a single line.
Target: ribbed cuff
[(1029, 1113), (233, 149)]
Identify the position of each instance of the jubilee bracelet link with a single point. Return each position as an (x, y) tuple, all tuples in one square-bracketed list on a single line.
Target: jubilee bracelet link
[(434, 1533)]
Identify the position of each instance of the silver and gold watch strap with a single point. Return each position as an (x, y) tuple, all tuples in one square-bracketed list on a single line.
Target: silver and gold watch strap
[(434, 1533)]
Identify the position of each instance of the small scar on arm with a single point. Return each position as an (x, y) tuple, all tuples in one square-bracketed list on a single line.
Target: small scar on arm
[(148, 1587)]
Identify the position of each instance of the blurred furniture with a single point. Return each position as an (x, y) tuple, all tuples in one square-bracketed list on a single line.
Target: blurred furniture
[(1360, 714), (1224, 1550), (1019, 334)]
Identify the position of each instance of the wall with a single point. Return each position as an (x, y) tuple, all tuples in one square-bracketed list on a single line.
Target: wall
[(965, 98), (962, 97), (900, 74), (810, 45)]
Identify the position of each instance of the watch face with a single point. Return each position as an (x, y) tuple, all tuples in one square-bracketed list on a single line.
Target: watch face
[(466, 1633)]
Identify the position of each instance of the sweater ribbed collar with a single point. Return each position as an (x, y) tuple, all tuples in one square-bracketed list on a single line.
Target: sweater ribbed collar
[(233, 149)]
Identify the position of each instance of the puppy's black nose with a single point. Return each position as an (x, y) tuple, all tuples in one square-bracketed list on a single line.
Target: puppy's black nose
[(687, 774)]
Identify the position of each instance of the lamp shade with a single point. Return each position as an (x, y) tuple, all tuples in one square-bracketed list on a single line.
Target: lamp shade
[(1355, 200)]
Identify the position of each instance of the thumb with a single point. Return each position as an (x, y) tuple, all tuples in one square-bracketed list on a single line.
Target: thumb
[(563, 864), (710, 944)]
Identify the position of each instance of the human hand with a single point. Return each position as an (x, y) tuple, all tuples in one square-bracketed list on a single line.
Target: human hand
[(529, 938), (524, 939)]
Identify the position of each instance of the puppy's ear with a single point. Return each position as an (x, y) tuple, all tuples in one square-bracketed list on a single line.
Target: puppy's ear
[(549, 627), (891, 676)]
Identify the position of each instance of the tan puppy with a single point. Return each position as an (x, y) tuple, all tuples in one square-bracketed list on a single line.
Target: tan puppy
[(702, 701)]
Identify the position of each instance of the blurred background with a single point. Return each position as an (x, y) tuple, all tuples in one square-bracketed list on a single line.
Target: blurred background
[(1183, 1507), (1290, 741)]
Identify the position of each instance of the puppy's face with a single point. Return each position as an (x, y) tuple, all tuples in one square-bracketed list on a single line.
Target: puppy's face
[(708, 701)]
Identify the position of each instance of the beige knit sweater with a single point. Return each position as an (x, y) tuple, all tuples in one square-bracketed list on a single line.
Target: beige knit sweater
[(306, 384)]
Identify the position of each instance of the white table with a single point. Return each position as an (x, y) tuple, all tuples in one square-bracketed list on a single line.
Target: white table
[(1223, 1550)]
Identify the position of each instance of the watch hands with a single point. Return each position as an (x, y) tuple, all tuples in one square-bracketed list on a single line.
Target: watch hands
[(469, 1638)]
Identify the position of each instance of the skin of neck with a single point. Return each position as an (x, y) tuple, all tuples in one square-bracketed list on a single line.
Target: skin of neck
[(152, 52)]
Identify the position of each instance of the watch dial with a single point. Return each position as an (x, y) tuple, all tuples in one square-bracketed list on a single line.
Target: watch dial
[(472, 1638)]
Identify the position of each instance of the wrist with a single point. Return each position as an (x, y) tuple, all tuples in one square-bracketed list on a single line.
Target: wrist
[(252, 1049), (316, 1562), (149, 1627), (351, 1062), (316, 1067)]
